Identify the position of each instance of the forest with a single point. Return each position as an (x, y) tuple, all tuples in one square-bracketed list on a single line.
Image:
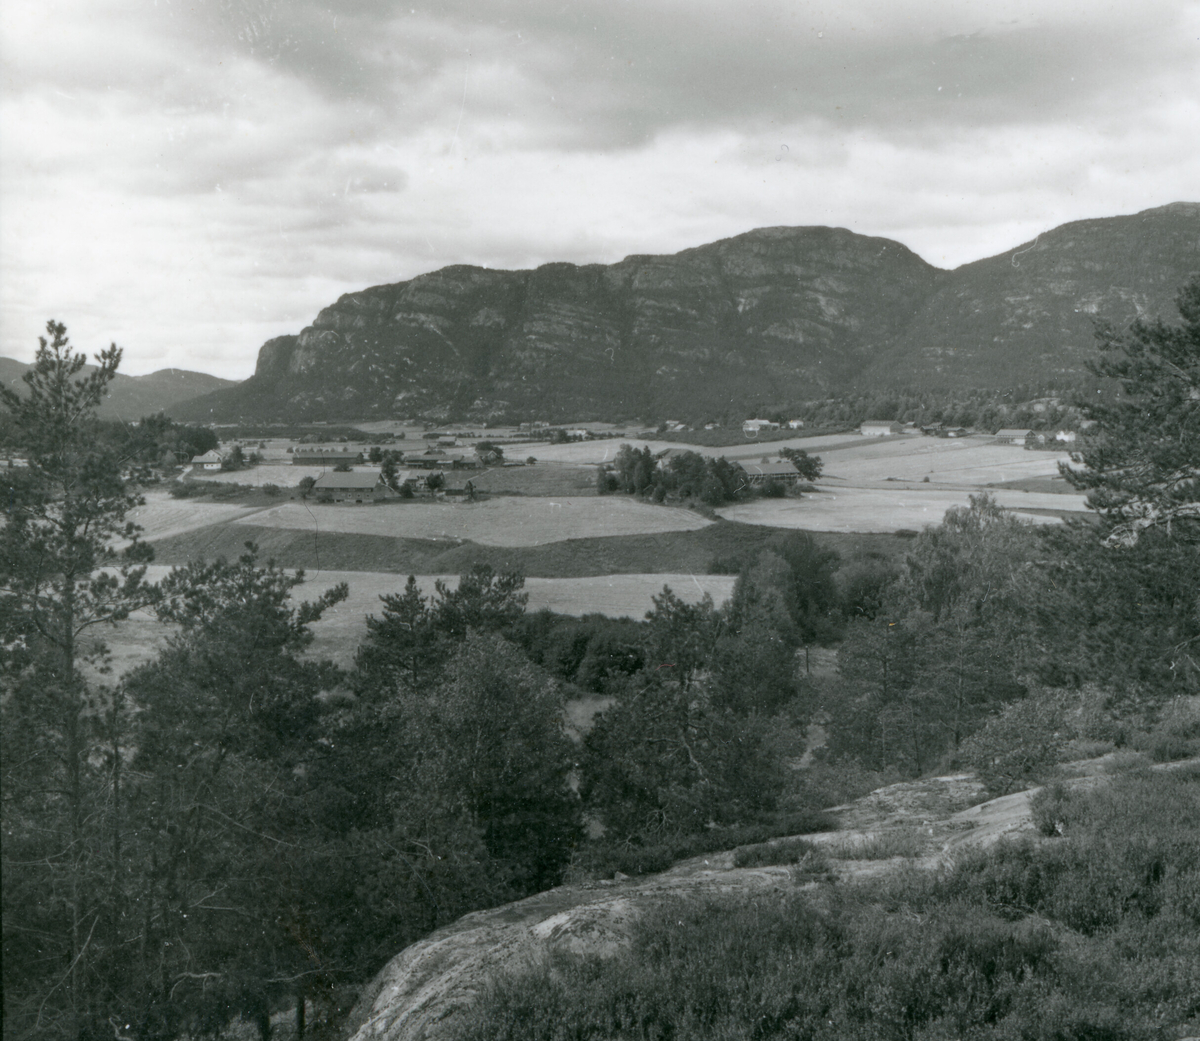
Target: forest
[(235, 828)]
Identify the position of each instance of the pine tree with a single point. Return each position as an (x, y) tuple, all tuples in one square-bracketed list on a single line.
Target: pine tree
[(1141, 464), (61, 575)]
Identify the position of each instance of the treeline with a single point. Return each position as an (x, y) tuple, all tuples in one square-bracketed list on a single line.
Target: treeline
[(692, 477)]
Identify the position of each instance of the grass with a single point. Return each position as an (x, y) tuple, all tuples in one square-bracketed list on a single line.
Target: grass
[(883, 845), (783, 851)]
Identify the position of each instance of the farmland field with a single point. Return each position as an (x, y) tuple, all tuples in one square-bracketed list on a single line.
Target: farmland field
[(606, 450), (976, 460), (678, 551), (285, 475), (496, 522), (162, 516), (338, 633), (961, 461), (885, 509)]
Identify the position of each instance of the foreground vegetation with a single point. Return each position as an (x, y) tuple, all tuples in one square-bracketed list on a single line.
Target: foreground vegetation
[(233, 828), (1094, 933)]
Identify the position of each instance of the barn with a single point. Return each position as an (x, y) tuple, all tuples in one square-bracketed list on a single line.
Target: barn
[(353, 486)]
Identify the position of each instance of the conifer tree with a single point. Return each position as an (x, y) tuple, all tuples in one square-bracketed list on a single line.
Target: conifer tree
[(62, 574), (1141, 463)]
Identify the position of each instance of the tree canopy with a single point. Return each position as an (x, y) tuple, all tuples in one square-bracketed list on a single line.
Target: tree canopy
[(1141, 460)]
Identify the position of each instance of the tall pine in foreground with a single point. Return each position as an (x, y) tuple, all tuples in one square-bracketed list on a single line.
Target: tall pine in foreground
[(1141, 463), (61, 576)]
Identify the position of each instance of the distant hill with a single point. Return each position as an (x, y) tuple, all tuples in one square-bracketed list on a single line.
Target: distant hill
[(131, 397), (1031, 310), (777, 314)]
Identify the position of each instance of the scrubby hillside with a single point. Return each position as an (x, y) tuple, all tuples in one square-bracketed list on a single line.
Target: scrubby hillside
[(760, 942)]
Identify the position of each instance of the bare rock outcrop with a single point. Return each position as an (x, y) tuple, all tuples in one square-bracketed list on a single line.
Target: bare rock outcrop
[(422, 993)]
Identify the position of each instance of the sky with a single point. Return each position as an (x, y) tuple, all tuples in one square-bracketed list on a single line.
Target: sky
[(189, 178)]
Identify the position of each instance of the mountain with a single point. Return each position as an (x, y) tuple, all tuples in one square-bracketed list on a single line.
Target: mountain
[(131, 397), (1031, 310), (777, 314)]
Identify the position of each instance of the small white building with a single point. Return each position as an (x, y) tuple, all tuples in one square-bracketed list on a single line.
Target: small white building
[(210, 460), (879, 428), (795, 424), (753, 426), (1065, 435)]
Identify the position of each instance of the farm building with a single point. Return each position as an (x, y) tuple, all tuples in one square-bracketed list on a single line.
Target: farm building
[(753, 426), (350, 487), (1013, 435), (1065, 435), (761, 473), (424, 460), (441, 461), (329, 455), (210, 460), (879, 428), (795, 424), (953, 432)]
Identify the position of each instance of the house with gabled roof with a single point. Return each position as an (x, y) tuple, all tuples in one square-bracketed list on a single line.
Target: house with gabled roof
[(210, 460), (351, 486)]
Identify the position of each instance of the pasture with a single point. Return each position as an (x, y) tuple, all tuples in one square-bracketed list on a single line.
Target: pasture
[(517, 521)]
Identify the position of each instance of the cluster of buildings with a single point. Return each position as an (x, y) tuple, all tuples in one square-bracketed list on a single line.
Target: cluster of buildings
[(753, 427), (1025, 436)]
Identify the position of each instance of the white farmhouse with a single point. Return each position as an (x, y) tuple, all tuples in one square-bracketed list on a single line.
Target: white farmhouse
[(210, 460)]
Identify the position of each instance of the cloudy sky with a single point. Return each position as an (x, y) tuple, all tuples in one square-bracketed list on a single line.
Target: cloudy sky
[(191, 177)]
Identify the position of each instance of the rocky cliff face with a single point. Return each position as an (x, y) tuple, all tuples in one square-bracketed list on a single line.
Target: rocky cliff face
[(776, 315)]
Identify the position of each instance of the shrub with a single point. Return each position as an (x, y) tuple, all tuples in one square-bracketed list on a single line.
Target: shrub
[(785, 851), (600, 859), (182, 490), (1015, 748), (896, 842), (1177, 734), (271, 489)]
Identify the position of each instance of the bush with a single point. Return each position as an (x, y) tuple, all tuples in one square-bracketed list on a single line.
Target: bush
[(785, 851), (1018, 746), (182, 490), (271, 489), (650, 855), (897, 842), (1177, 734), (917, 955)]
